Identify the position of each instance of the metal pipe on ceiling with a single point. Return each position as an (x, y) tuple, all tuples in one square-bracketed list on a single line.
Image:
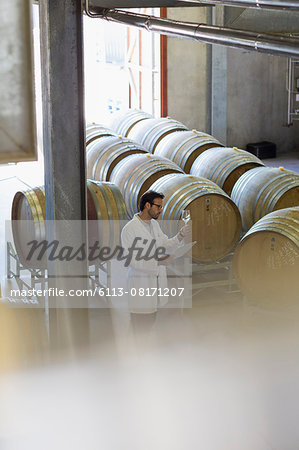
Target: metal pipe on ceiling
[(265, 4), (257, 4), (248, 40)]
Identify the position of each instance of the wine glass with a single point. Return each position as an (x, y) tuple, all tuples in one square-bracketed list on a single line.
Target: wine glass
[(186, 216)]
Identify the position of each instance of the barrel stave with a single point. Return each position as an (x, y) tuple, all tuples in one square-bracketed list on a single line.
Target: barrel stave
[(183, 147), (105, 154), (135, 174), (123, 122), (224, 165), (96, 131), (150, 132)]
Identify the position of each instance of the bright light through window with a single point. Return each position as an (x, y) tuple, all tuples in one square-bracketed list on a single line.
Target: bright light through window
[(122, 69)]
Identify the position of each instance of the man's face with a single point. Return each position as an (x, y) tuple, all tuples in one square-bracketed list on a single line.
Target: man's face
[(155, 208)]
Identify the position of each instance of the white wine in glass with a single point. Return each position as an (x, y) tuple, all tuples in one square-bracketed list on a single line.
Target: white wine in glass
[(186, 216)]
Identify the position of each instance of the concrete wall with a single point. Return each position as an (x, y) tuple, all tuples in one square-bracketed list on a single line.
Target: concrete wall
[(257, 101), (187, 75), (238, 96), (256, 97)]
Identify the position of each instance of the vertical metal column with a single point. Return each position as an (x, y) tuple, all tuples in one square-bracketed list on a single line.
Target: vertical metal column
[(61, 25), (61, 28), (219, 84), (163, 68), (209, 20)]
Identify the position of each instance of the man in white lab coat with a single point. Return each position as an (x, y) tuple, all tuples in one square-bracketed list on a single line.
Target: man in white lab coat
[(147, 277)]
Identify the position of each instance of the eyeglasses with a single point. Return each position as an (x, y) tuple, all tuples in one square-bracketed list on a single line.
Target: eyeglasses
[(158, 206)]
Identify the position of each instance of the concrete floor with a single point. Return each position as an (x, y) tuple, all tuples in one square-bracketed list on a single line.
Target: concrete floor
[(289, 161), (222, 375)]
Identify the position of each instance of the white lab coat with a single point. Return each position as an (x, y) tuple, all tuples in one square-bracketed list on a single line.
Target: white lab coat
[(146, 274)]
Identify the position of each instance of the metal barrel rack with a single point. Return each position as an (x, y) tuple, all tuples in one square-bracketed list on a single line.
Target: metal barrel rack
[(26, 278), (214, 274)]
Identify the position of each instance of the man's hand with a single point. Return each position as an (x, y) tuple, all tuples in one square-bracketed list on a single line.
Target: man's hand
[(185, 231)]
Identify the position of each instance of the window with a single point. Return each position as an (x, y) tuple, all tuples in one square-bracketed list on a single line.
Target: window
[(122, 68)]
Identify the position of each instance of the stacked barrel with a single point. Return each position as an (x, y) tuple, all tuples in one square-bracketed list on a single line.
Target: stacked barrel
[(95, 131), (216, 222), (106, 212), (173, 148), (105, 153), (156, 154), (184, 147), (266, 261), (263, 190), (135, 175), (223, 187), (227, 189)]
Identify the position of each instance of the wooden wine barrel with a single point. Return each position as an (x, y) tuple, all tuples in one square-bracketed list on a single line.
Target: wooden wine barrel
[(123, 122), (266, 261), (95, 131), (224, 166), (28, 223), (104, 154), (135, 174), (263, 190), (105, 204), (106, 213), (149, 132), (216, 221), (183, 147)]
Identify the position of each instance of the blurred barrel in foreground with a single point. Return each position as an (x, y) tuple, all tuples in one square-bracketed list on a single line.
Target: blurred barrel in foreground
[(216, 221), (23, 334), (263, 190), (224, 166), (123, 122), (104, 154), (135, 174), (183, 147), (149, 132), (266, 261), (105, 203), (95, 131)]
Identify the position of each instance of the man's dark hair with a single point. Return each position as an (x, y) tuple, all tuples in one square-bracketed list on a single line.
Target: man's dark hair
[(149, 196)]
